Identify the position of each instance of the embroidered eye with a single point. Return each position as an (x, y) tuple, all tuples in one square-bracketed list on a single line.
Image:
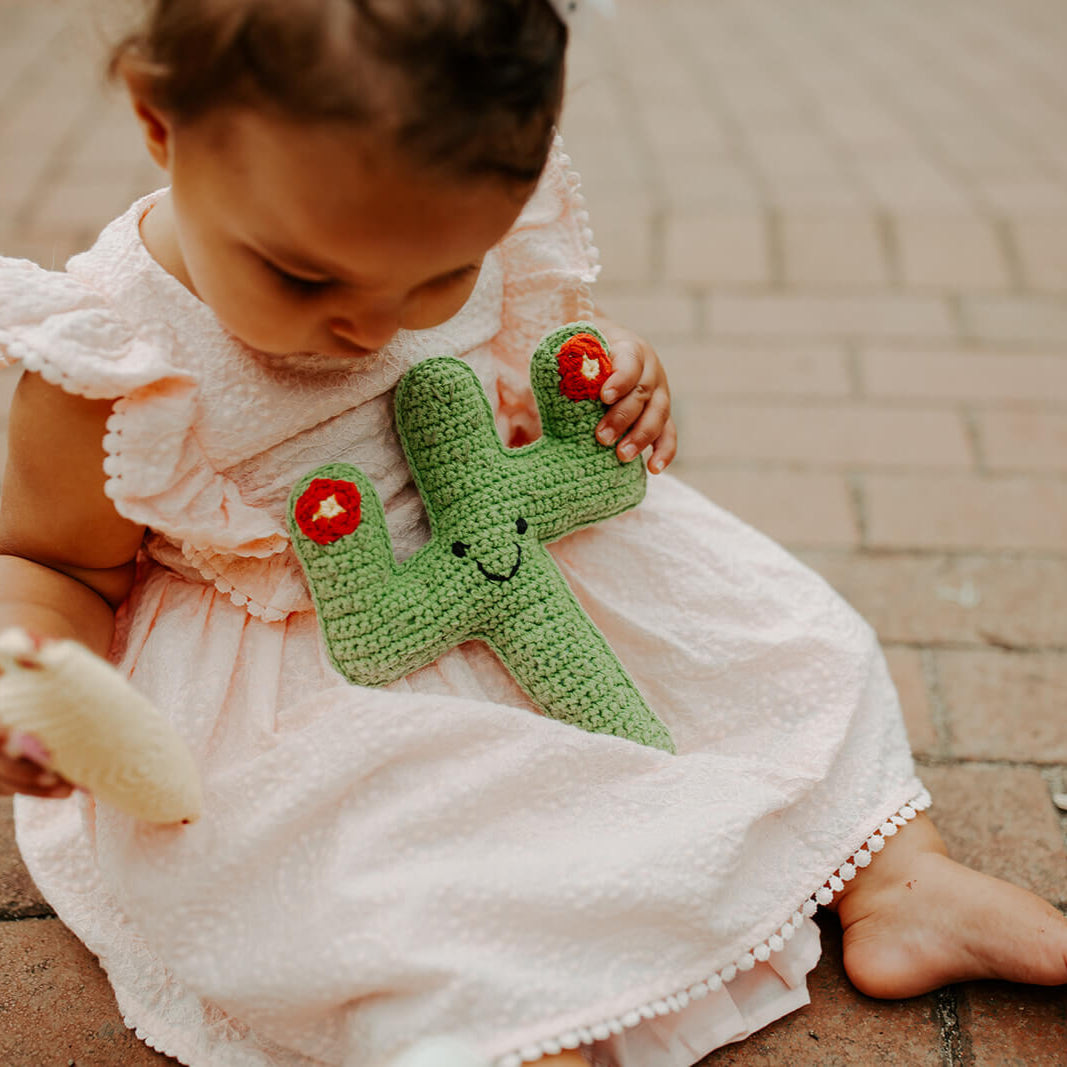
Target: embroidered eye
[(521, 525), (459, 549)]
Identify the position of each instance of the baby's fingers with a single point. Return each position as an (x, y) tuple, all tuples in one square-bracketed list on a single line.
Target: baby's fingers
[(664, 449), (19, 774), (24, 776), (627, 367), (649, 429), (625, 414), (45, 785)]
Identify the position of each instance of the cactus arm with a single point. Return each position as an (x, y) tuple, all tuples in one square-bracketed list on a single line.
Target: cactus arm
[(357, 585), (582, 481)]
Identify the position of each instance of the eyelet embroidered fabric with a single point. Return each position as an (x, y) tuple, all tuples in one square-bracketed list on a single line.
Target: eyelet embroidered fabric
[(602, 1032), (507, 878)]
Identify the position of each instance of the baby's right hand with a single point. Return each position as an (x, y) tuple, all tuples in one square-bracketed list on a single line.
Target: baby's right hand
[(65, 710), (21, 771)]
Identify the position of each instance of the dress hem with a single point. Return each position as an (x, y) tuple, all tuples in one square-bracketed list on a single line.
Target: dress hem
[(605, 1029)]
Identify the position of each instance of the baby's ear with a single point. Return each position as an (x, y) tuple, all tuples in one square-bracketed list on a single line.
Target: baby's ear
[(568, 371)]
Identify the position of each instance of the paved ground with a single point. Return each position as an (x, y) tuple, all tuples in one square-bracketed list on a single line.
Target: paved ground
[(845, 227)]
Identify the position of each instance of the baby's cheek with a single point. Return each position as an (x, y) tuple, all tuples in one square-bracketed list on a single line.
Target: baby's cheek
[(423, 311), (268, 326)]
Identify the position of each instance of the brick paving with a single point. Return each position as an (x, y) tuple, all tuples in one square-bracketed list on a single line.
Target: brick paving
[(844, 226)]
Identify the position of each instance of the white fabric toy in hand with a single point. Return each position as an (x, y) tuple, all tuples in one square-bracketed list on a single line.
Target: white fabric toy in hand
[(97, 731)]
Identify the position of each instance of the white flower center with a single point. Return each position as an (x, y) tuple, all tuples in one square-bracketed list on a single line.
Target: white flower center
[(328, 509), (590, 367)]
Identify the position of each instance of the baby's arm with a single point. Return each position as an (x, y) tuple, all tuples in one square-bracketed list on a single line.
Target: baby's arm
[(640, 399), (66, 555)]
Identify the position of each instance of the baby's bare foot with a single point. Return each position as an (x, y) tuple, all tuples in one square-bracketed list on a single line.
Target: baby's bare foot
[(916, 920)]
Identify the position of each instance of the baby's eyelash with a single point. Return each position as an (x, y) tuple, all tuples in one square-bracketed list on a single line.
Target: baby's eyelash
[(304, 284), (455, 276)]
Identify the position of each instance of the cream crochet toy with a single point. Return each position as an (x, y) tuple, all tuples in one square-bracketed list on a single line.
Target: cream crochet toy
[(76, 714)]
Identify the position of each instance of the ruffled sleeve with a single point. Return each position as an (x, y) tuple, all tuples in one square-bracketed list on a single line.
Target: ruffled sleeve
[(58, 326), (62, 327), (549, 264)]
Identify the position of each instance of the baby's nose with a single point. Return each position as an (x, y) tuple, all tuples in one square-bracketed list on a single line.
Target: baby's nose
[(371, 329)]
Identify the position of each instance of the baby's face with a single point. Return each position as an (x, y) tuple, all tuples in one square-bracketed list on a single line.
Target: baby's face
[(311, 238)]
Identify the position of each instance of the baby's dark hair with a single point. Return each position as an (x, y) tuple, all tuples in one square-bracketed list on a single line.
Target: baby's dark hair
[(472, 87)]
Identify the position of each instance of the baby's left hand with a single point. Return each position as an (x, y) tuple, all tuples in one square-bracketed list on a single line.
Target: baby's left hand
[(640, 399)]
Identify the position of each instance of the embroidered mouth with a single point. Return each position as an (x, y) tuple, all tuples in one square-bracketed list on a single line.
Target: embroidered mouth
[(503, 577), (461, 548)]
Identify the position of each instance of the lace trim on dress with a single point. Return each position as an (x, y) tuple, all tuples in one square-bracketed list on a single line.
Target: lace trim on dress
[(761, 953), (586, 303)]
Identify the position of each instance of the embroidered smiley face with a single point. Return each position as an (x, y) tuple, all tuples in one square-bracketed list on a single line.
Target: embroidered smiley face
[(461, 549)]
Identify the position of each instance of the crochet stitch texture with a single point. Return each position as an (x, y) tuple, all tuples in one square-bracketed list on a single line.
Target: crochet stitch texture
[(485, 573)]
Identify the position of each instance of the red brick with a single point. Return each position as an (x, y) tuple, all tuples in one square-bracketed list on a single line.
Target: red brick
[(724, 187), (1000, 820), (721, 369), (944, 511), (795, 315), (833, 250), (654, 313), (957, 253), (816, 194), (1004, 1023), (1015, 318), (18, 894), (717, 246), (912, 185), (8, 380), (829, 435), (81, 207), (791, 151), (1023, 440), (1042, 249), (1005, 705), (964, 374), (793, 508), (51, 253), (979, 600), (56, 1006), (1024, 198), (624, 239), (842, 1028), (909, 676)]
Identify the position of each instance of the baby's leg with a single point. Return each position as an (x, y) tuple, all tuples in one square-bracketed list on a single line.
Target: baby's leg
[(914, 921)]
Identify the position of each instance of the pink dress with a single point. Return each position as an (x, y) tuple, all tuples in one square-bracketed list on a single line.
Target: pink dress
[(374, 866)]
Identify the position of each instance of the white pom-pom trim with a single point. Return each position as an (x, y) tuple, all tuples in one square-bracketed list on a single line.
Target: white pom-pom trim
[(675, 1002)]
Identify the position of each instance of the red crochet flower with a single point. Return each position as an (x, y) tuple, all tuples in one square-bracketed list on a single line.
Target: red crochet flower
[(328, 510), (584, 367)]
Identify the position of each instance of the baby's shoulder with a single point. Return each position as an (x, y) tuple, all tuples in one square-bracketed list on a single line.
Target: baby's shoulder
[(54, 508)]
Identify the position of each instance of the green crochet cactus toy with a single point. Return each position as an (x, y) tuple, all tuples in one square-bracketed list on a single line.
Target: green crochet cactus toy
[(485, 573)]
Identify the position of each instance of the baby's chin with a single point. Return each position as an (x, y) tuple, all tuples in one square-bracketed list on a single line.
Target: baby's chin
[(312, 362), (341, 355)]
